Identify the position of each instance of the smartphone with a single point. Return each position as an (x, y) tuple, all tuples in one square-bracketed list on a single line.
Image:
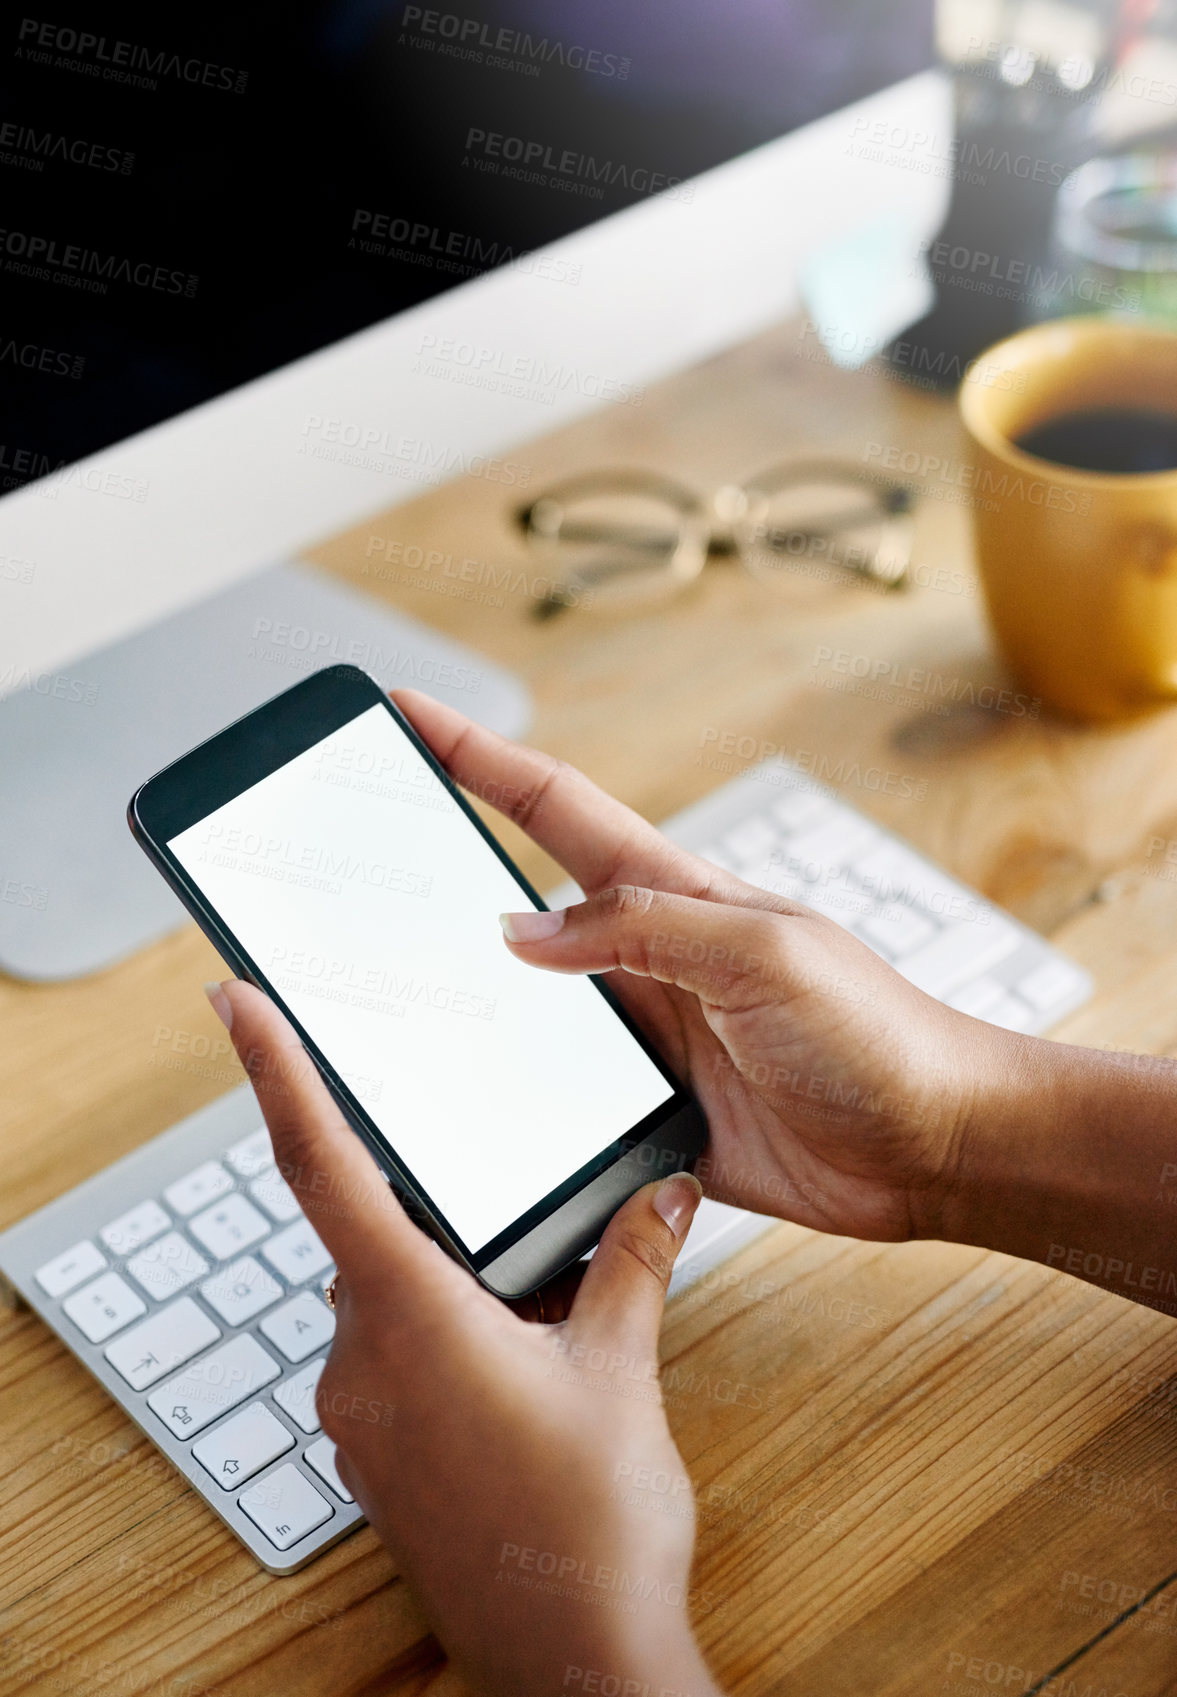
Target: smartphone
[(332, 862)]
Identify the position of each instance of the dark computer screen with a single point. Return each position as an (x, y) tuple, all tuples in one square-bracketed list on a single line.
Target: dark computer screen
[(196, 195)]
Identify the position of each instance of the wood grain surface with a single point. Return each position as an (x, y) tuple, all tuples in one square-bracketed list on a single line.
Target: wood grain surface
[(921, 1468)]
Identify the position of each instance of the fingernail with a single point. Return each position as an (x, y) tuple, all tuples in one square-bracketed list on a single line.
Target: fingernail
[(531, 927), (676, 1199), (219, 1003)]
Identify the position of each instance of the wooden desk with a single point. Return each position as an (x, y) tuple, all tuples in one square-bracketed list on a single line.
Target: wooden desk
[(921, 1468)]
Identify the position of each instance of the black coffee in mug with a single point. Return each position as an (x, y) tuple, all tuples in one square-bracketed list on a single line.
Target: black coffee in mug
[(1109, 439)]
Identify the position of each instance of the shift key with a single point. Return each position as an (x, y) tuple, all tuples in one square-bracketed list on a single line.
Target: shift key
[(213, 1385)]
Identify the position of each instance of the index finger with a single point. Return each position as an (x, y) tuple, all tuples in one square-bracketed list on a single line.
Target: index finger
[(595, 838)]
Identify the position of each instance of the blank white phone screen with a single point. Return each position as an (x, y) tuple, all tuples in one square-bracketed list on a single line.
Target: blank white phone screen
[(371, 904)]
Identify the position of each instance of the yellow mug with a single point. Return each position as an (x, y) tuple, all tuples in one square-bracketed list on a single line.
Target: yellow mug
[(1079, 568)]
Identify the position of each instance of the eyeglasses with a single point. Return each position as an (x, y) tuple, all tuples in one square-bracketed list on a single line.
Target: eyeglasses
[(625, 539)]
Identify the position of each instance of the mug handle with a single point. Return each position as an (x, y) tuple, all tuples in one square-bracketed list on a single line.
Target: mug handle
[(1154, 549)]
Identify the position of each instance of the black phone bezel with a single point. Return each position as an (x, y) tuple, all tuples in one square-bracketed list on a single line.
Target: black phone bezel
[(246, 751)]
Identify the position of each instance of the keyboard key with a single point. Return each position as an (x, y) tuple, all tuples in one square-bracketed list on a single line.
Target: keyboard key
[(891, 871), (300, 1326), (104, 1307), (166, 1266), (197, 1189), (138, 1226), (172, 1336), (243, 1445), (796, 810), (321, 1457), (298, 1253), (241, 1290), (959, 952), (834, 841), (68, 1269), (286, 1506), (834, 897), (1052, 982), (252, 1155), (276, 1197), (1013, 1014), (296, 1397), (213, 1385), (977, 996), (751, 841), (719, 857), (896, 930), (229, 1227)]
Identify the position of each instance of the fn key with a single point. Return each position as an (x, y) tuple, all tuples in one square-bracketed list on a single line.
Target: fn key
[(286, 1506)]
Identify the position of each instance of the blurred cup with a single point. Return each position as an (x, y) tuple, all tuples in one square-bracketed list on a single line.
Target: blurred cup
[(1074, 500), (1113, 245)]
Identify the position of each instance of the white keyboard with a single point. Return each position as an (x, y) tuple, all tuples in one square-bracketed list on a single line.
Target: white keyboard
[(775, 827), (188, 1281)]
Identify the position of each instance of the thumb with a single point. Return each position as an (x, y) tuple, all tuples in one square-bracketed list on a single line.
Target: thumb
[(732, 957), (621, 1297), (338, 1185)]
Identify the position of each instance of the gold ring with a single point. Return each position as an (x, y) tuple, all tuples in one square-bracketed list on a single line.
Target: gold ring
[(329, 1291), (539, 1304)]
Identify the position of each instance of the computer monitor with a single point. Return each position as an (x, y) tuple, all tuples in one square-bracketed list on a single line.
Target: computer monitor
[(269, 270)]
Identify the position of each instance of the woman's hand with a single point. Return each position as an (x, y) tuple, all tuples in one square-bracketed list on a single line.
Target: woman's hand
[(837, 1094), (523, 1476)]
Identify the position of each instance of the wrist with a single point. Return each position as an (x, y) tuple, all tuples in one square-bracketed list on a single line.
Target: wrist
[(643, 1654), (1060, 1158), (966, 1107), (1001, 1165), (650, 1659), (678, 1672)]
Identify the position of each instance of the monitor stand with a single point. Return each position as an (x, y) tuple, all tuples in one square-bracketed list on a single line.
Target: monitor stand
[(76, 892)]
